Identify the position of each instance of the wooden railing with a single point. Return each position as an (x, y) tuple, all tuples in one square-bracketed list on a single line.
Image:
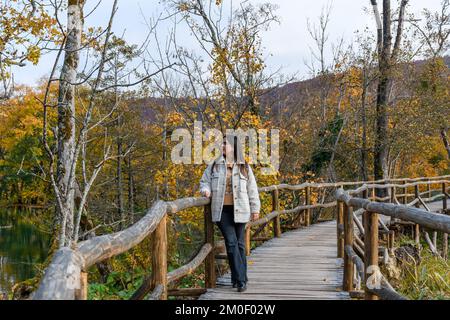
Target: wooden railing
[(66, 277), (362, 251)]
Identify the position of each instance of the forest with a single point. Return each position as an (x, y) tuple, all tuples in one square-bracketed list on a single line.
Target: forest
[(86, 151)]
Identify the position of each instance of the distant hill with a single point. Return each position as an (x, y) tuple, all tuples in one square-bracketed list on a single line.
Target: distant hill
[(290, 95)]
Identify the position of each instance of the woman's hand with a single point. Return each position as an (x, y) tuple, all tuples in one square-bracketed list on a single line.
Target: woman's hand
[(255, 216), (206, 193)]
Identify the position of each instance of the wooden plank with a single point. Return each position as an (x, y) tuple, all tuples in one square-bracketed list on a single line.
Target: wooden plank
[(300, 264)]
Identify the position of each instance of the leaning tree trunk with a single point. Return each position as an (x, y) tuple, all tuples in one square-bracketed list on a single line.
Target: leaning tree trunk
[(445, 141), (66, 123)]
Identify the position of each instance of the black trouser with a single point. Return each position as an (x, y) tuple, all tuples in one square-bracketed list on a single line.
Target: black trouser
[(234, 234)]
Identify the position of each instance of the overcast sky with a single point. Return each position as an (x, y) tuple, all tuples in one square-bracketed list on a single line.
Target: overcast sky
[(287, 43)]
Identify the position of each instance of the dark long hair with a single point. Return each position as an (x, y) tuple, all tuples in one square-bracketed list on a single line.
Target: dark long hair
[(239, 159)]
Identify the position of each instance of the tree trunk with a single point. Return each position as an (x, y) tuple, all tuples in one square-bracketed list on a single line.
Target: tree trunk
[(66, 122), (386, 57), (381, 139), (445, 141), (120, 210), (364, 171), (165, 163), (130, 188)]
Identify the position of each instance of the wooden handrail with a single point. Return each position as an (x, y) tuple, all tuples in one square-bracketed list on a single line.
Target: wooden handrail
[(433, 221), (191, 266), (385, 291), (356, 260), (62, 278), (66, 273), (391, 185), (351, 199), (157, 293), (275, 214), (348, 184)]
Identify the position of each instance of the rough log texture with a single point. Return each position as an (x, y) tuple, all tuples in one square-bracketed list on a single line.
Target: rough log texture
[(62, 277), (432, 246), (308, 203), (356, 260), (298, 209), (276, 207), (433, 221), (358, 224), (159, 259), (386, 292), (340, 229), (370, 248), (191, 266), (186, 203), (157, 293), (103, 247), (187, 292), (348, 241), (82, 292), (381, 183)]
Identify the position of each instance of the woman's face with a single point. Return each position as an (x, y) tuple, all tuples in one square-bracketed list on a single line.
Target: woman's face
[(227, 149)]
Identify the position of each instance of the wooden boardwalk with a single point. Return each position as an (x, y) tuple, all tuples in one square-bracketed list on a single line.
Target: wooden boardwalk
[(435, 206), (299, 265)]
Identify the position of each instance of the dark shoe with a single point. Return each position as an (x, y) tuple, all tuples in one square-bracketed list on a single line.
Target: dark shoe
[(241, 287), (235, 285)]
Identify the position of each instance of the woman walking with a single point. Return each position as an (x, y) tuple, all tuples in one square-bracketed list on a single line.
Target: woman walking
[(231, 184)]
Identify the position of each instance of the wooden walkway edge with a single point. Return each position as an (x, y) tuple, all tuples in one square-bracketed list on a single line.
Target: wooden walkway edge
[(299, 265)]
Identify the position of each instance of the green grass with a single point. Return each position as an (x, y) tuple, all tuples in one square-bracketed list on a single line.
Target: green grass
[(427, 279)]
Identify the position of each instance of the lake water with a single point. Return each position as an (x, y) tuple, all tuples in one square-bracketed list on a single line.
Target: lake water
[(22, 247)]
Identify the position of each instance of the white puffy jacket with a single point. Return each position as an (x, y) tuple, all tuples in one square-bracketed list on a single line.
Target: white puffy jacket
[(245, 191)]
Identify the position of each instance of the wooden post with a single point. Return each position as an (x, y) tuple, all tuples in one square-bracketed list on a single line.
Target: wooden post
[(82, 292), (210, 268), (276, 220), (405, 192), (444, 199), (391, 240), (159, 261), (370, 250), (393, 201), (298, 220), (365, 195), (445, 235), (393, 191), (435, 239), (348, 241), (435, 234), (247, 241), (308, 202), (417, 226), (340, 229)]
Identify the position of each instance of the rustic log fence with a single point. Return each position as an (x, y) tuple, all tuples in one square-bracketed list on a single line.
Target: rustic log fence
[(67, 275), (362, 252)]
